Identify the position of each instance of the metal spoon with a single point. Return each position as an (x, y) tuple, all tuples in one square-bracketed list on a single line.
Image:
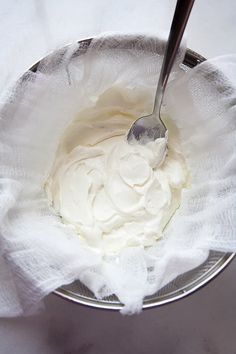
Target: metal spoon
[(151, 127)]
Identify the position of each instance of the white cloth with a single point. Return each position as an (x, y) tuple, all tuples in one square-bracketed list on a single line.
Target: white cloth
[(38, 254)]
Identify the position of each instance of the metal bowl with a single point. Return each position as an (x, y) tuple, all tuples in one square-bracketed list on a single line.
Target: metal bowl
[(183, 285)]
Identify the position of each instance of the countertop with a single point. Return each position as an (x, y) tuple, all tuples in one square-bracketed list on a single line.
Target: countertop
[(202, 323)]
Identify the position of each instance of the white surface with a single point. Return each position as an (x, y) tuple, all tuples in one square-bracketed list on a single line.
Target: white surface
[(31, 28), (207, 318)]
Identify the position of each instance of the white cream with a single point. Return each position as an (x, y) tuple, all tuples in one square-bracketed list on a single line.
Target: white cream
[(114, 194)]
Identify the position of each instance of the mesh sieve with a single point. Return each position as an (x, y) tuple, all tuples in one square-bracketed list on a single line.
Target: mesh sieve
[(183, 285)]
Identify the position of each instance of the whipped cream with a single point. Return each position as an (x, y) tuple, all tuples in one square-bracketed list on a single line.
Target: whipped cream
[(114, 194)]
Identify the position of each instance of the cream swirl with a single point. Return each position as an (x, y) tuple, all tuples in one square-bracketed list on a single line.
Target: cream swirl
[(113, 194)]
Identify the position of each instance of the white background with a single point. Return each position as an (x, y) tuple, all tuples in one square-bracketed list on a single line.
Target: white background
[(204, 322)]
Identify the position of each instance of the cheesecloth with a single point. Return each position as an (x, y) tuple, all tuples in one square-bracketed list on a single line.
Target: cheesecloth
[(37, 252)]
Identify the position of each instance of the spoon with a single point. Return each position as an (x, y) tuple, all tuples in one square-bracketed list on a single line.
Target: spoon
[(151, 127)]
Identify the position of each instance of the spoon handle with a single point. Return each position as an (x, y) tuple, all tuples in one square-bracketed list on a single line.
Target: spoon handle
[(179, 22)]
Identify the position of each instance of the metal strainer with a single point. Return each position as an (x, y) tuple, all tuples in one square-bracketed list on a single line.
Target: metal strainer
[(183, 285)]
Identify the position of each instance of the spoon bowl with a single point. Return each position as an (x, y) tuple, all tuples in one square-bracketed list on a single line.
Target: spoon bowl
[(147, 129)]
